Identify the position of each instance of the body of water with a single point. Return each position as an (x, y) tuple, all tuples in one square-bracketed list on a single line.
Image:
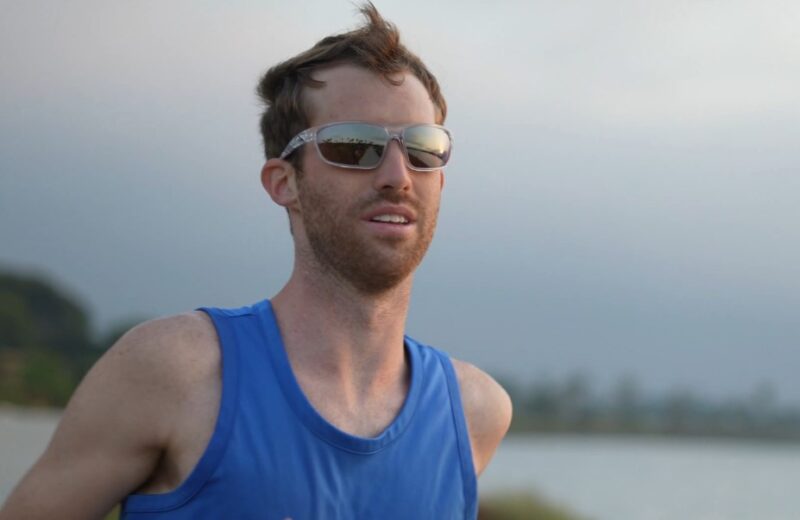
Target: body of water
[(600, 478), (644, 478), (23, 437)]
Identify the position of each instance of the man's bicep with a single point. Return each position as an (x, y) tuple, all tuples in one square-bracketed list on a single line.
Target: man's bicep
[(106, 444)]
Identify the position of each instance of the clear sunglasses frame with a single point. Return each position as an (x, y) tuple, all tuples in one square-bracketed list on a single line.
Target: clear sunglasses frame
[(393, 133)]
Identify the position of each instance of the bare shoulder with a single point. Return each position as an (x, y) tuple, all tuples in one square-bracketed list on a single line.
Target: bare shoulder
[(171, 336), (488, 411), (182, 347), (148, 374), (125, 415), (168, 368)]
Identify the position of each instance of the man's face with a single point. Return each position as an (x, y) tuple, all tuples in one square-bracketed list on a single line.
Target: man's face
[(339, 208)]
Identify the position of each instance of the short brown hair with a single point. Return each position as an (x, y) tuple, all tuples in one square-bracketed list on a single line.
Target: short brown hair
[(375, 46)]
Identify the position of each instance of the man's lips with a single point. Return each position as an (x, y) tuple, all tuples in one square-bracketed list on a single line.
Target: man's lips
[(396, 215)]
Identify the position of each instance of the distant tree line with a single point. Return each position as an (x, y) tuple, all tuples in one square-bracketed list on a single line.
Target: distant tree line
[(572, 405), (45, 342)]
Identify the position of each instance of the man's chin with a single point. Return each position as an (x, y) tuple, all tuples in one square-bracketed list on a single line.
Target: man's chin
[(379, 281), (370, 264)]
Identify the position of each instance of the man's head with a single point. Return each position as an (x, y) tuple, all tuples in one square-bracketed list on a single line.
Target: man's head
[(375, 46), (368, 228)]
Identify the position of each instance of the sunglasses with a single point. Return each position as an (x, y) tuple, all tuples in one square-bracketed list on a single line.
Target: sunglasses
[(362, 146)]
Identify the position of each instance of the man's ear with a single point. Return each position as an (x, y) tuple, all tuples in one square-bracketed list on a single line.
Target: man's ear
[(279, 179)]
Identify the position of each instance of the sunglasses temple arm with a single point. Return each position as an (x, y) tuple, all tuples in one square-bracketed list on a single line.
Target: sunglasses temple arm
[(306, 136)]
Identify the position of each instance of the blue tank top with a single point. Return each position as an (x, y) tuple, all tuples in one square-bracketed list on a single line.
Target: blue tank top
[(273, 457)]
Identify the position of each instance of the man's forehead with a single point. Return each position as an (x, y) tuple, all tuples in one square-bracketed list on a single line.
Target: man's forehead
[(351, 92)]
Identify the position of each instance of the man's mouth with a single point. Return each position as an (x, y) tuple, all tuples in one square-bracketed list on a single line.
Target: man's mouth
[(390, 219)]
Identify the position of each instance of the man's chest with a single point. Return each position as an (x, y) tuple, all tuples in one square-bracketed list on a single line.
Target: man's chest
[(359, 413)]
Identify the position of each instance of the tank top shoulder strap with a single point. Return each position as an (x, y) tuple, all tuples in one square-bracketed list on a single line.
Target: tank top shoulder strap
[(445, 364)]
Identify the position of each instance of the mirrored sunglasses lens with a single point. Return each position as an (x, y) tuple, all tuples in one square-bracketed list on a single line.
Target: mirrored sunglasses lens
[(352, 144), (427, 146)]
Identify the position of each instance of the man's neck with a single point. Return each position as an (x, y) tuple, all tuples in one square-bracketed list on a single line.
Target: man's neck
[(333, 332)]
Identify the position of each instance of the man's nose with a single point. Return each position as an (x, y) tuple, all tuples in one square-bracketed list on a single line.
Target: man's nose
[(393, 174)]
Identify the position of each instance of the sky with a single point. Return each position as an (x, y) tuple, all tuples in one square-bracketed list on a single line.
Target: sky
[(623, 197)]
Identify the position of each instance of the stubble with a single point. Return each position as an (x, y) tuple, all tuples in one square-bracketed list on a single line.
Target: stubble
[(372, 265)]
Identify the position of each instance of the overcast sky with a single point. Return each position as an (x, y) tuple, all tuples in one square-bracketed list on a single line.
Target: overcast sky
[(623, 197)]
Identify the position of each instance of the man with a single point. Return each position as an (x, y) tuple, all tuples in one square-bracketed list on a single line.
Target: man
[(312, 404)]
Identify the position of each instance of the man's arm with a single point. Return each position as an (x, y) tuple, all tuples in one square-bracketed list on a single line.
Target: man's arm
[(487, 408), (117, 425)]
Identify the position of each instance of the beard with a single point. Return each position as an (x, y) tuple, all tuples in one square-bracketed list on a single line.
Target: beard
[(370, 264)]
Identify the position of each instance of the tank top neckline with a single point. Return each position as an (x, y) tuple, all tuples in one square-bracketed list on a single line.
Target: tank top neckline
[(308, 415)]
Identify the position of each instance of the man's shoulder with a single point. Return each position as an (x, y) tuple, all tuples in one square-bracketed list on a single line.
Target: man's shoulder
[(165, 372), (482, 396), (177, 349), (488, 410), (173, 335)]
